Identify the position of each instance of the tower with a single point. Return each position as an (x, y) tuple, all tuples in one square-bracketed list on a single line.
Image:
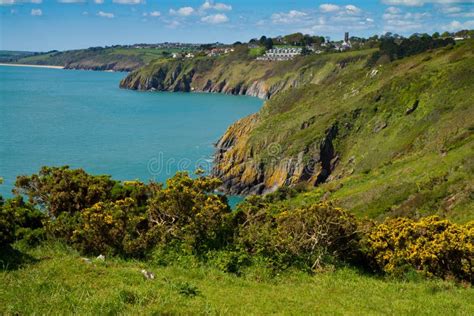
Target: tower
[(346, 37)]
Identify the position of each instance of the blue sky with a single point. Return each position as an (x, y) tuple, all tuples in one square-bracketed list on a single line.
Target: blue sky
[(40, 25)]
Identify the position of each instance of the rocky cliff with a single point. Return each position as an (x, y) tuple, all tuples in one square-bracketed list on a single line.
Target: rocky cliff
[(231, 74)]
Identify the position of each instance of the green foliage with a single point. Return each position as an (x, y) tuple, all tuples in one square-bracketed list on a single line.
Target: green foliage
[(20, 221), (107, 226), (309, 237), (430, 245), (187, 211), (63, 190), (410, 46)]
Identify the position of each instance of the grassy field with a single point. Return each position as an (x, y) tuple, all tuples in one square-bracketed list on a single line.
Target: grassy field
[(53, 279)]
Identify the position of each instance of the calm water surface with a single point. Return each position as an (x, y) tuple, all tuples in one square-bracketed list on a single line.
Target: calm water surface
[(57, 117)]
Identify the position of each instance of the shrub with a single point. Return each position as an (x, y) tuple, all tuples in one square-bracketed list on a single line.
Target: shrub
[(20, 221), (62, 189), (7, 226), (104, 226), (431, 245), (187, 211), (308, 237)]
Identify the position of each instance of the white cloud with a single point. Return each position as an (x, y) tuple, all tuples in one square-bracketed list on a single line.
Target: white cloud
[(173, 24), (327, 7), (184, 11), (393, 10), (105, 14), (333, 8), (352, 9), (98, 1), (152, 13), (215, 18), (287, 18), (419, 3), (36, 12), (457, 26), (71, 1), (129, 1), (210, 5), (12, 2)]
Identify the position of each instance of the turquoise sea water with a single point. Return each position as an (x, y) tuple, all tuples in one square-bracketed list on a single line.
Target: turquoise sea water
[(60, 117)]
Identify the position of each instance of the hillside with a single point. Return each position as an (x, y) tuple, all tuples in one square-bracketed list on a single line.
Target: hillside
[(110, 58), (396, 138)]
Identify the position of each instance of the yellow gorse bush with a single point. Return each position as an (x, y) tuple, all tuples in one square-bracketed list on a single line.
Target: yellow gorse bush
[(432, 245)]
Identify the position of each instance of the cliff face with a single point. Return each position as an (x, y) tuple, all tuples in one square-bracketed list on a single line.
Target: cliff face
[(226, 75)]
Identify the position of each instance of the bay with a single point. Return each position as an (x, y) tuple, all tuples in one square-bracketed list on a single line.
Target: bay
[(55, 117)]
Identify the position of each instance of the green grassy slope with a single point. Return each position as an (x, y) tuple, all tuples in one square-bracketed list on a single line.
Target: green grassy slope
[(55, 280), (397, 139)]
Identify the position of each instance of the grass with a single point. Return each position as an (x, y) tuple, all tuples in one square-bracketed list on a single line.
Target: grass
[(55, 280)]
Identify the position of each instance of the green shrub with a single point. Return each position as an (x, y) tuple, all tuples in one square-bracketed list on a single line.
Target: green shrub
[(309, 237), (430, 245), (20, 221), (186, 211), (104, 226)]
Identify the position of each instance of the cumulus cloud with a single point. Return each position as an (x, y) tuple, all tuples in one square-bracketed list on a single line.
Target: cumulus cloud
[(419, 3), (210, 5), (71, 1), (327, 7), (11, 2), (105, 14), (290, 17), (184, 11), (129, 1), (457, 25), (36, 12), (395, 20), (152, 13), (333, 8), (215, 18)]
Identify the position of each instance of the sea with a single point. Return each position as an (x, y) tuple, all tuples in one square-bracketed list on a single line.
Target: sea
[(57, 117)]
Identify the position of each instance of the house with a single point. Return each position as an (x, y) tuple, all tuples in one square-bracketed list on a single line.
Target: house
[(279, 54)]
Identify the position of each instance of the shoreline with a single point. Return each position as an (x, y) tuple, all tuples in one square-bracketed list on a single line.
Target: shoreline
[(33, 66)]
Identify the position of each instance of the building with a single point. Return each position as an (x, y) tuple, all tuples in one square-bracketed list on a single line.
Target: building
[(279, 54)]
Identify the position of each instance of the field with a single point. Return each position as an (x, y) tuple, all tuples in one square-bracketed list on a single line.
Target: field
[(53, 279)]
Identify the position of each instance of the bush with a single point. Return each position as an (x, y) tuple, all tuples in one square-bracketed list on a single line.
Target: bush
[(20, 221), (186, 211), (431, 245), (104, 226), (309, 237), (63, 190)]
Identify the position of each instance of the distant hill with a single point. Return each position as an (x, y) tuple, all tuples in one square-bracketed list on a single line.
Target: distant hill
[(110, 58)]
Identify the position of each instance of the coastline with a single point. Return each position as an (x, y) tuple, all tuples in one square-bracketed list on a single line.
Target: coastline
[(34, 66)]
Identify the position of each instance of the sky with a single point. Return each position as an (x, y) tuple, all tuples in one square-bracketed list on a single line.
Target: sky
[(42, 25)]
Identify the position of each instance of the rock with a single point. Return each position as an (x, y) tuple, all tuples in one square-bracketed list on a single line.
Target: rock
[(379, 126), (412, 109), (148, 275), (101, 258), (87, 260)]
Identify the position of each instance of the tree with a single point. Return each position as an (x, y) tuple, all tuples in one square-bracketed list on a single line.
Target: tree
[(436, 35), (268, 43)]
